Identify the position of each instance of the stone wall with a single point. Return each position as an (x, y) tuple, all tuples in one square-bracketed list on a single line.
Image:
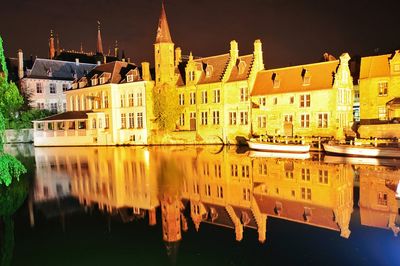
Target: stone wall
[(19, 136)]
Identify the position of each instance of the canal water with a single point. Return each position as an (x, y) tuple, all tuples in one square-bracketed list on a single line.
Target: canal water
[(204, 205)]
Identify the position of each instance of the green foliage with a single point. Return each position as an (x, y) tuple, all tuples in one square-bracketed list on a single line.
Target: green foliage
[(166, 106), (24, 120), (10, 168), (3, 60), (10, 100)]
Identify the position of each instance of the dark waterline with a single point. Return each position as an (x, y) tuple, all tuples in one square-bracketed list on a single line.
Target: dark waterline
[(74, 226)]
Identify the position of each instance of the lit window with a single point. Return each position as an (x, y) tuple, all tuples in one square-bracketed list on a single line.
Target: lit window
[(217, 96), (182, 119), (396, 68), (305, 100), (129, 78), (323, 120), (204, 97), (244, 118), (305, 120), (209, 71), (244, 94), (191, 75), (140, 120), (123, 121), (131, 99), (102, 80), (139, 99), (204, 117), (215, 117), (94, 82), (192, 98), (277, 83), (181, 99), (382, 113), (383, 88), (232, 118)]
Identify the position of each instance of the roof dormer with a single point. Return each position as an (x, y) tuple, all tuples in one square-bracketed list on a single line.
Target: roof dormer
[(104, 77), (82, 82), (209, 70), (94, 80), (276, 80), (132, 75), (241, 66), (305, 74)]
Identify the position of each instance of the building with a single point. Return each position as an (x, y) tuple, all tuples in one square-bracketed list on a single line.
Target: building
[(108, 106), (380, 96), (305, 100)]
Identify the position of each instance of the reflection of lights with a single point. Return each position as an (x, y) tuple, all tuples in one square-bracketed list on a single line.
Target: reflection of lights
[(398, 191), (147, 157)]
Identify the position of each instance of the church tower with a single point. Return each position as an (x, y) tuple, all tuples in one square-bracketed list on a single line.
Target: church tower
[(99, 47), (164, 51), (52, 50)]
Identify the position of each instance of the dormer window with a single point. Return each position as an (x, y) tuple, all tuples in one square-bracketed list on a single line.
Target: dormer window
[(129, 78), (49, 72), (396, 68), (276, 80), (241, 67), (209, 71), (306, 80), (102, 80), (94, 82)]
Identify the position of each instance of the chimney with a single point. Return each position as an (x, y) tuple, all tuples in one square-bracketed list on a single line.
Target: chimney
[(20, 64), (234, 52), (178, 56), (258, 55), (146, 71), (77, 61)]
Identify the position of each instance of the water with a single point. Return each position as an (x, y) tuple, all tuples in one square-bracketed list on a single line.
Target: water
[(204, 205)]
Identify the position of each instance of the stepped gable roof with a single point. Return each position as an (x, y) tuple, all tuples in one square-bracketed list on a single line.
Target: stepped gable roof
[(246, 62), (70, 115), (375, 66), (218, 63), (291, 78), (294, 211), (117, 69), (58, 70)]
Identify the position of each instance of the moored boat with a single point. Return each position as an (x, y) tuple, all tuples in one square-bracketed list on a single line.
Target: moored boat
[(362, 151), (278, 147), (391, 162), (284, 155)]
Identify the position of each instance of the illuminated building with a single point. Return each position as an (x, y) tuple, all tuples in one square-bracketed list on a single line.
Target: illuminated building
[(380, 96), (305, 100)]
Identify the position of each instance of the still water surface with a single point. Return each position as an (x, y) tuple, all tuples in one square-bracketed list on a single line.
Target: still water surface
[(199, 206)]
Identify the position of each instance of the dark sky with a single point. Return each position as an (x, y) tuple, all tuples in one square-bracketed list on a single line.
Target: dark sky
[(292, 31)]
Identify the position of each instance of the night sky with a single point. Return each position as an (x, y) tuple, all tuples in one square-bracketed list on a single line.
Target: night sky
[(292, 31)]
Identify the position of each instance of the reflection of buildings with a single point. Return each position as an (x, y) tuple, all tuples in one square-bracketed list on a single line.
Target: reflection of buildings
[(378, 204), (222, 188)]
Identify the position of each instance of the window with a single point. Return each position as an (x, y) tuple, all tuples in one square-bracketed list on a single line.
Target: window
[(234, 170), (262, 169), (123, 100), (220, 192), (217, 170), (306, 193), (140, 120), (139, 99), (181, 99), (129, 78), (217, 96), (289, 118), (263, 101), (244, 95), (123, 121), (396, 68), (53, 107), (382, 199), (204, 118), (289, 174), (131, 99), (192, 98), (323, 120), (208, 190), (244, 118), (245, 171), (100, 123), (291, 100), (131, 119), (209, 71), (102, 80), (105, 101), (191, 75), (182, 119), (305, 121), (383, 88), (382, 113), (305, 100), (262, 121), (215, 117), (277, 83), (246, 194), (305, 174), (204, 97), (107, 121), (65, 87), (94, 123), (94, 82), (306, 80), (275, 101), (206, 169), (39, 88), (232, 118), (52, 88), (323, 176)]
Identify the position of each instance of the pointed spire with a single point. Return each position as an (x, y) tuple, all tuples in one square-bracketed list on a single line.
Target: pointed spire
[(99, 48), (52, 50), (81, 49), (163, 34)]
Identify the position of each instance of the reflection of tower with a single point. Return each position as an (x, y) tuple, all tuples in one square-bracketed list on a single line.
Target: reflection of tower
[(171, 218)]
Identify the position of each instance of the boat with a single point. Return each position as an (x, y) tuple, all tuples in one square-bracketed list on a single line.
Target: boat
[(283, 155), (277, 147), (390, 162), (362, 151)]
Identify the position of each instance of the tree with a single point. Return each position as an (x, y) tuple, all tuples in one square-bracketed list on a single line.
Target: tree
[(3, 60), (166, 106)]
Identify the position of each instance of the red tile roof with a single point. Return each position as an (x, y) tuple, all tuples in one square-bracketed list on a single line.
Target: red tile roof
[(291, 79), (219, 64), (248, 62), (163, 34)]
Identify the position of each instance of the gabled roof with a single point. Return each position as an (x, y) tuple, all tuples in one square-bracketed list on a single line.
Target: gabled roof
[(375, 66), (60, 70), (219, 64), (291, 78), (248, 62)]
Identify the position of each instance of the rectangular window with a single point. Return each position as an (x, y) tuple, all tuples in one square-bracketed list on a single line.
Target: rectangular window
[(217, 170), (139, 99), (182, 119), (215, 117), (289, 118), (192, 98), (244, 118), (140, 120), (217, 96), (323, 176), (191, 75), (263, 101), (181, 99), (245, 171), (53, 107), (291, 100), (232, 118), (382, 112), (39, 88), (244, 95), (204, 118), (305, 121), (123, 121), (323, 120), (131, 118), (208, 190), (275, 101), (396, 68), (382, 88), (65, 87), (107, 121), (306, 193), (262, 121), (52, 88), (131, 99), (305, 174), (204, 97), (105, 101), (234, 170), (306, 80), (305, 100), (246, 194), (123, 100), (220, 192), (262, 169), (382, 199)]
